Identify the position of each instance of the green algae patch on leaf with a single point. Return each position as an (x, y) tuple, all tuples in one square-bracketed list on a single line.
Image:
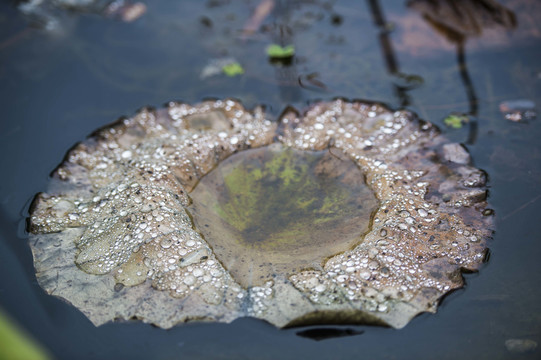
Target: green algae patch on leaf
[(275, 210), (348, 213)]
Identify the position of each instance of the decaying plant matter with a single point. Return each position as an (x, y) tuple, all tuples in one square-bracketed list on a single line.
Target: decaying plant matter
[(121, 233)]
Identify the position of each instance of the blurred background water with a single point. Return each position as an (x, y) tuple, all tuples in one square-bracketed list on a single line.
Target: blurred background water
[(65, 72)]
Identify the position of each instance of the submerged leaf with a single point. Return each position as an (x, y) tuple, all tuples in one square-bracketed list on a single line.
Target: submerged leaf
[(352, 213), (275, 210)]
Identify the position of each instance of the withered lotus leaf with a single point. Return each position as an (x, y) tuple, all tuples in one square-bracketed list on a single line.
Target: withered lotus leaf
[(350, 213)]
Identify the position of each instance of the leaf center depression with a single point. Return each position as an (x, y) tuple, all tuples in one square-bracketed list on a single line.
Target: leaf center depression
[(275, 210)]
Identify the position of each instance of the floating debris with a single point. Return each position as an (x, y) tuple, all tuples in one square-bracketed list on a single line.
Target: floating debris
[(456, 121), (520, 346), (126, 229), (233, 69), (275, 51), (227, 65), (518, 110), (311, 82)]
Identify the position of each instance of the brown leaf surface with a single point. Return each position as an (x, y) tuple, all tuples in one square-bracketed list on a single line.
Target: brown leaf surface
[(114, 235)]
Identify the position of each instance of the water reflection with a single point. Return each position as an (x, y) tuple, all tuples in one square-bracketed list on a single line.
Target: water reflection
[(457, 21), (41, 121), (283, 29), (54, 15), (285, 69), (407, 82)]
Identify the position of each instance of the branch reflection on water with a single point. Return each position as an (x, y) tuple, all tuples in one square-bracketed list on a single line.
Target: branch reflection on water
[(456, 20)]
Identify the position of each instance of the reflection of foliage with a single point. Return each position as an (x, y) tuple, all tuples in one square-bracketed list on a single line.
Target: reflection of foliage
[(15, 345)]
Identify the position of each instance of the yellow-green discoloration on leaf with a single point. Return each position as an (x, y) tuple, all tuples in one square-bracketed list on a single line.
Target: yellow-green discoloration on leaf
[(272, 198), (273, 209), (376, 263)]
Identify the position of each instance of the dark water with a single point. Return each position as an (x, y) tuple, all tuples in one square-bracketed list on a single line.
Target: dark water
[(58, 87)]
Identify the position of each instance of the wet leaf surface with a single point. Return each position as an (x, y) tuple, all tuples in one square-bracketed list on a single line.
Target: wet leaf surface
[(274, 210), (59, 87), (290, 232)]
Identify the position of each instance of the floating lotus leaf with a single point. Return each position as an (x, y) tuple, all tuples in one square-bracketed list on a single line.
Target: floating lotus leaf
[(351, 213)]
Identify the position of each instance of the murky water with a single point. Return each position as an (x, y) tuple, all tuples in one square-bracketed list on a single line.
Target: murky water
[(58, 87)]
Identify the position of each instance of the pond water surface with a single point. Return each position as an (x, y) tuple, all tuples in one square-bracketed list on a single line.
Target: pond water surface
[(58, 86)]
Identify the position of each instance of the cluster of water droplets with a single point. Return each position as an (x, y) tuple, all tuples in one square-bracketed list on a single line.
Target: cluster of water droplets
[(127, 188), (136, 176), (414, 244)]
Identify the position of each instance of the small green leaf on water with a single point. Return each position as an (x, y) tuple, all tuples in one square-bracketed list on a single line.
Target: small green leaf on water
[(279, 52), (233, 69), (455, 121)]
